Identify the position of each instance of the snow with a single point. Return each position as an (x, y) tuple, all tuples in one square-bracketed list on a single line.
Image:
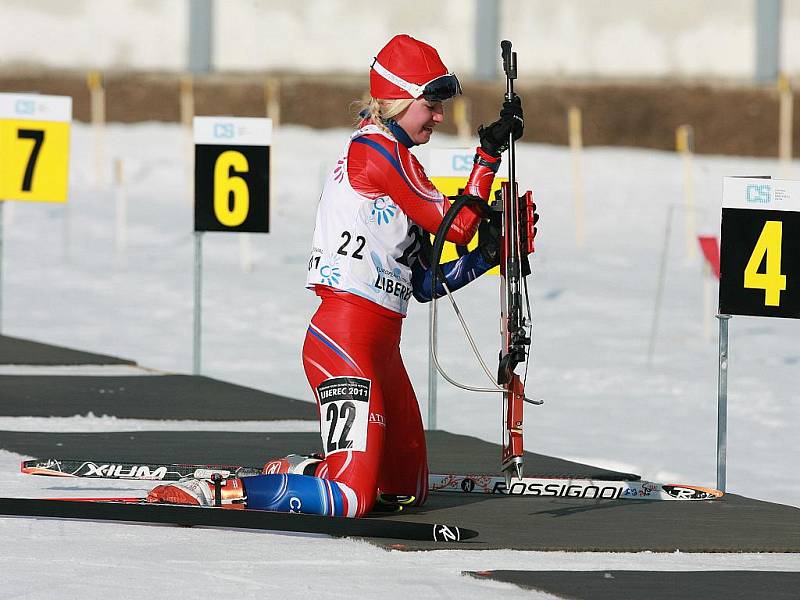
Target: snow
[(69, 279), (114, 560)]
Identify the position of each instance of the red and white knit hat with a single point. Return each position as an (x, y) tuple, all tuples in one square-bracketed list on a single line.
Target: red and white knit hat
[(408, 68)]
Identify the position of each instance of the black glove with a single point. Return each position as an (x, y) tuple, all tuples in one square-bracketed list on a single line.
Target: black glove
[(494, 137), (489, 242)]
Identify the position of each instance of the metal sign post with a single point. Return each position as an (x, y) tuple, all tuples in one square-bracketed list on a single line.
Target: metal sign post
[(1, 265), (433, 374), (759, 268), (34, 145), (231, 189), (722, 402), (448, 170), (198, 300)]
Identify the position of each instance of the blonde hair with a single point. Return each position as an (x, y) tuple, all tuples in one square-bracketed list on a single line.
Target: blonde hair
[(380, 111)]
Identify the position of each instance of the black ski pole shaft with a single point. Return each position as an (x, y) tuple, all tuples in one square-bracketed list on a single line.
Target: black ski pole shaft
[(514, 255)]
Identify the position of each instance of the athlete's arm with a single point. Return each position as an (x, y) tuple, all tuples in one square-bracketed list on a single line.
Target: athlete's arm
[(457, 273), (378, 166)]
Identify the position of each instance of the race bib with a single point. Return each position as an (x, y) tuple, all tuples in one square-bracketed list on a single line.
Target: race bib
[(344, 411)]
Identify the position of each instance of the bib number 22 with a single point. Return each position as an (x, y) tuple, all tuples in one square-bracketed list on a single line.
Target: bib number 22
[(344, 408), (346, 411)]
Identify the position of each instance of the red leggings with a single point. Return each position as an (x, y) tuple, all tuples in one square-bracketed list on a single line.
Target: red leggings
[(369, 417)]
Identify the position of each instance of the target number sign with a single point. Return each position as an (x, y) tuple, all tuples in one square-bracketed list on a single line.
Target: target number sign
[(760, 247), (449, 171), (34, 147), (231, 174)]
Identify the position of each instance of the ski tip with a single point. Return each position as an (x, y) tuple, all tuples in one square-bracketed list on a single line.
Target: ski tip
[(33, 470), (450, 533), (691, 492)]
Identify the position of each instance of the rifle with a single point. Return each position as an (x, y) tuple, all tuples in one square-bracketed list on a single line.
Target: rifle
[(517, 234), (516, 216)]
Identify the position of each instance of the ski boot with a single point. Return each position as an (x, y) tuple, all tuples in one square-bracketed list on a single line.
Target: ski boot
[(392, 503), (226, 493)]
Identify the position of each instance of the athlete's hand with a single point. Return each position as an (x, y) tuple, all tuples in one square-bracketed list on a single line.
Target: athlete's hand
[(494, 137), (490, 241)]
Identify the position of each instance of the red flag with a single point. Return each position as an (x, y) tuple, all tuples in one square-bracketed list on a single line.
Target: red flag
[(710, 247)]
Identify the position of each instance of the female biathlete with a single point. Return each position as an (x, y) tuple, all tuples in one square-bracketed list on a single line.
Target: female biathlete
[(370, 255)]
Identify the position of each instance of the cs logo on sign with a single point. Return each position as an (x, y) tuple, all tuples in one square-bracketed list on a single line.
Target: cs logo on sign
[(25, 107), (758, 193), (224, 131), (462, 162)]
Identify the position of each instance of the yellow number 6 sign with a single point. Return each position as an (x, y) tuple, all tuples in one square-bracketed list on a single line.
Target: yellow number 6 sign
[(231, 194), (34, 147), (231, 174)]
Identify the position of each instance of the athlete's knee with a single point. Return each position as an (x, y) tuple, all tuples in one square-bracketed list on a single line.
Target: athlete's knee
[(359, 473)]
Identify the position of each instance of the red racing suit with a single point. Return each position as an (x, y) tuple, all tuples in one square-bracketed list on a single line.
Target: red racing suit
[(376, 213)]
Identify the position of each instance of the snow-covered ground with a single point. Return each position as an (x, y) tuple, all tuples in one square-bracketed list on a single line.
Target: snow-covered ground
[(66, 559), (67, 281)]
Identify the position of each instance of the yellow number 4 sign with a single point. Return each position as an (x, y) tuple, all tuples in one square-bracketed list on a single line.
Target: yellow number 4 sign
[(760, 248), (34, 147), (772, 281)]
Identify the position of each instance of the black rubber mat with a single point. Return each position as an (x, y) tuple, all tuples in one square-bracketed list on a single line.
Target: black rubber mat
[(144, 397), (654, 585), (17, 351), (732, 524), (448, 453)]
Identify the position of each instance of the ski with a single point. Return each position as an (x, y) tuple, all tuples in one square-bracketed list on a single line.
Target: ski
[(590, 489), (103, 469), (480, 484), (139, 511)]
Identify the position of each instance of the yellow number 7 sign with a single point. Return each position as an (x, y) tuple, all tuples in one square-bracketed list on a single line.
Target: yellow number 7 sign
[(34, 147)]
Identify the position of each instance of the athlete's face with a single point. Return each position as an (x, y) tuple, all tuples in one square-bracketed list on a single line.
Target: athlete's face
[(420, 118)]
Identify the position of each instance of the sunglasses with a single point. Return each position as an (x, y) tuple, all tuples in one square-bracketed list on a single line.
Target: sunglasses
[(438, 89)]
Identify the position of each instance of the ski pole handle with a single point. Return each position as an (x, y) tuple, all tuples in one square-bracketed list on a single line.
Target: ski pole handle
[(509, 59), (510, 68)]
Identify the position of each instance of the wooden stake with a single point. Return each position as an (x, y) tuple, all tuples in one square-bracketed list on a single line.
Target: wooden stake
[(575, 127), (708, 300), (461, 117), (97, 101), (684, 144), (122, 206), (272, 99), (245, 253), (187, 100), (785, 118), (187, 114)]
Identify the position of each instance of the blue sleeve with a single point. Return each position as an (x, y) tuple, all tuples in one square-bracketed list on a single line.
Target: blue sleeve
[(457, 274), (296, 494)]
